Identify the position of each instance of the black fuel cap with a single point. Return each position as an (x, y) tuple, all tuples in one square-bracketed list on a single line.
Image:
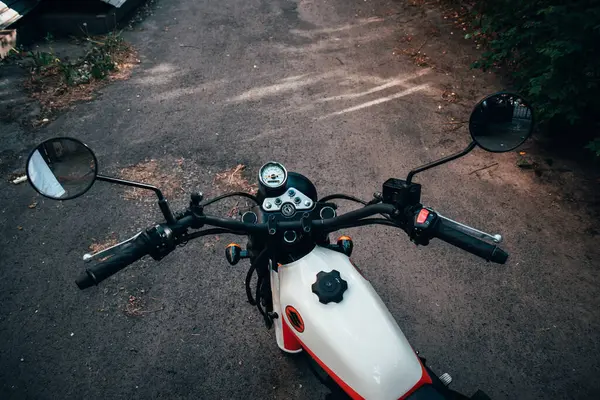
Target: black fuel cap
[(329, 287)]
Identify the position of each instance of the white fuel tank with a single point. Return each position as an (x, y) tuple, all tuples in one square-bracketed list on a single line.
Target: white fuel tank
[(357, 341)]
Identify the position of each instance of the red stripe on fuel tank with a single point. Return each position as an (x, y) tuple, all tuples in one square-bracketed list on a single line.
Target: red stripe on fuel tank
[(290, 342), (425, 379), (349, 391)]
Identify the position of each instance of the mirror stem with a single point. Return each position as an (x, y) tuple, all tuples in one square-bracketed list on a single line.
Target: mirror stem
[(441, 161), (162, 202), (164, 207)]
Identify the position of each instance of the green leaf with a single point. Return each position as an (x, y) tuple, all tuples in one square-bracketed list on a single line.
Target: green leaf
[(594, 146), (98, 72)]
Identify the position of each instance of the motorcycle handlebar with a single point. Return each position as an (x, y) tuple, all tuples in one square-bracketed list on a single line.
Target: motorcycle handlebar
[(128, 254), (449, 234), (141, 246), (326, 224), (441, 230)]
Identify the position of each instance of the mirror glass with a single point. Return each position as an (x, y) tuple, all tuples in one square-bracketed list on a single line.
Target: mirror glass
[(501, 122), (62, 168)]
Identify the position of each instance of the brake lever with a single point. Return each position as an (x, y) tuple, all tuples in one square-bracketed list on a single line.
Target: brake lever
[(497, 238), (110, 251)]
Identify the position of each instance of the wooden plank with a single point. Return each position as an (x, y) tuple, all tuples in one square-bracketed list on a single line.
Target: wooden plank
[(8, 40), (116, 3), (12, 12)]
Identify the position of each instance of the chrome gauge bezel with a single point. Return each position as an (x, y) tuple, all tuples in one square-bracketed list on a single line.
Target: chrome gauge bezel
[(265, 184)]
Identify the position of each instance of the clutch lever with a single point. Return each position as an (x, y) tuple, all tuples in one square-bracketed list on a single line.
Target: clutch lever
[(110, 251), (472, 231)]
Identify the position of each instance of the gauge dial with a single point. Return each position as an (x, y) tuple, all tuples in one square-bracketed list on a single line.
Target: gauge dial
[(273, 175)]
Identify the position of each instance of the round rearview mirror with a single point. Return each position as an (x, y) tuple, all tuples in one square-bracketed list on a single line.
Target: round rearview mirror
[(501, 122), (62, 168)]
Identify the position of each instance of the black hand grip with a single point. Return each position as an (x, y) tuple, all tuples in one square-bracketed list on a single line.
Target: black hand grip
[(449, 234), (129, 253)]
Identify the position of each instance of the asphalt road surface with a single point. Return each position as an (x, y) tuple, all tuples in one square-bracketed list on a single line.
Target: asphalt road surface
[(316, 86)]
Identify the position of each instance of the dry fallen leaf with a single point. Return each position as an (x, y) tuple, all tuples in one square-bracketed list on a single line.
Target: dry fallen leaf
[(233, 180), (133, 307), (20, 227), (97, 247), (522, 153), (33, 205), (154, 173)]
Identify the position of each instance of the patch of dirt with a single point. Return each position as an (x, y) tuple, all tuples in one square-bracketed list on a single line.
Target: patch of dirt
[(178, 177), (569, 182), (53, 75), (450, 96), (137, 306), (211, 241), (133, 307), (233, 180), (434, 37), (97, 246), (163, 175), (418, 55), (49, 88)]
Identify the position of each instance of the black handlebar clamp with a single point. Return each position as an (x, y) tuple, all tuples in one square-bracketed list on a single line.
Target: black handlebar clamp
[(161, 241), (400, 193)]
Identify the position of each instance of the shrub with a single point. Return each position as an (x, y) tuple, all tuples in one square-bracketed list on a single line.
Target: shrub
[(549, 48), (97, 63)]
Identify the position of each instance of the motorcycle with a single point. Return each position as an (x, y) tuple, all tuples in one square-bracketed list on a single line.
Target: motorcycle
[(306, 286)]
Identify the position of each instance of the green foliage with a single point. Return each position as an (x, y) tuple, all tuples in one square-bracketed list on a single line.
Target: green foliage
[(73, 74), (594, 146), (114, 42), (42, 59), (97, 63), (550, 48)]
